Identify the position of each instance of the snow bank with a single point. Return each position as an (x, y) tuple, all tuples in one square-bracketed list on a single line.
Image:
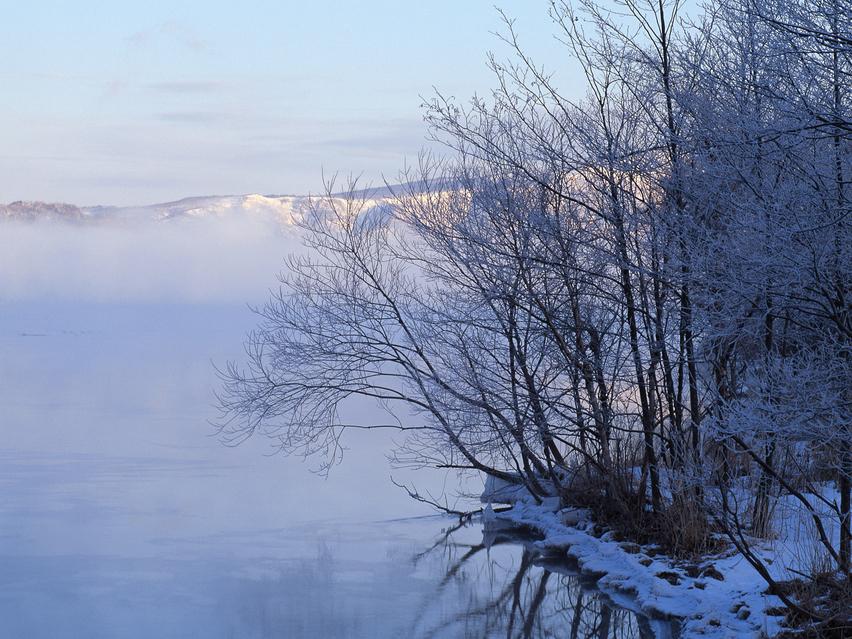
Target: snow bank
[(655, 585)]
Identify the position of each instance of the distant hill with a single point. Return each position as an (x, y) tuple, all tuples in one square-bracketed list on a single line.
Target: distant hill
[(282, 209), (33, 211), (285, 210)]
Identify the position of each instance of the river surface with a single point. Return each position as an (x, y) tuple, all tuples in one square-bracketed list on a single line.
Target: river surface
[(123, 516)]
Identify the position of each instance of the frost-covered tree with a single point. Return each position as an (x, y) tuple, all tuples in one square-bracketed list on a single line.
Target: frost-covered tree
[(634, 297)]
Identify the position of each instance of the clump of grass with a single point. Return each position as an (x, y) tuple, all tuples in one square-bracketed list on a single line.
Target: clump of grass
[(680, 529), (828, 597)]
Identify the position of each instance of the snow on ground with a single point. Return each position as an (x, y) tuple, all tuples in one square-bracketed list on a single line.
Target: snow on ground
[(656, 585)]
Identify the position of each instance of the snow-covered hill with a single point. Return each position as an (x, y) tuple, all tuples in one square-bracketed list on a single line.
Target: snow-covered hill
[(283, 209)]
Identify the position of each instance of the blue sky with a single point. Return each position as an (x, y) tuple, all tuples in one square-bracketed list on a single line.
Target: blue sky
[(136, 102)]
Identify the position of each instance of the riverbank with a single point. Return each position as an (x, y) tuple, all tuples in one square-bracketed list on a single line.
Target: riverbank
[(718, 596)]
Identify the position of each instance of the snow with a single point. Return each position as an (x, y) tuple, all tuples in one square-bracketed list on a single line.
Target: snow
[(282, 210), (500, 491), (733, 607)]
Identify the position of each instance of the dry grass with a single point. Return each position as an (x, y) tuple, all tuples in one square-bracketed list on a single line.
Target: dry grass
[(830, 598), (681, 529)]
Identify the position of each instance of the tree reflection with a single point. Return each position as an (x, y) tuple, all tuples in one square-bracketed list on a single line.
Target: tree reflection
[(503, 587)]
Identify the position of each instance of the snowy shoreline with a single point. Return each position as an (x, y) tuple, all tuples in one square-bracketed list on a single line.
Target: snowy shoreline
[(656, 585)]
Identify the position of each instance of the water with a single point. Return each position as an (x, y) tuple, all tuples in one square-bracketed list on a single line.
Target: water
[(122, 516)]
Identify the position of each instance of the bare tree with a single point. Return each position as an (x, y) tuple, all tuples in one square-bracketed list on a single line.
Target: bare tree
[(613, 298)]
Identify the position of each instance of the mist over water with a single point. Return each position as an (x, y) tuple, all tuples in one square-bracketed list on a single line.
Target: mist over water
[(114, 484), (123, 515), (230, 260)]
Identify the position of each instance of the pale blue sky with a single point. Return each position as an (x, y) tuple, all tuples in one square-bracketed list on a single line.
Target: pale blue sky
[(134, 102)]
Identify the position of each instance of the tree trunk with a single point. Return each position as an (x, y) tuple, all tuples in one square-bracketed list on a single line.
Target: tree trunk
[(845, 486)]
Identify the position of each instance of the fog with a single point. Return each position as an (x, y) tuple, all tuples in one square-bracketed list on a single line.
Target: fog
[(117, 495), (232, 260)]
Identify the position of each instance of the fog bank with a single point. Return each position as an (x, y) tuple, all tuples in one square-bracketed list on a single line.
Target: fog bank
[(190, 261)]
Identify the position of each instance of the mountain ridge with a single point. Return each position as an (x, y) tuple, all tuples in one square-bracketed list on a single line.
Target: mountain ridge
[(285, 209)]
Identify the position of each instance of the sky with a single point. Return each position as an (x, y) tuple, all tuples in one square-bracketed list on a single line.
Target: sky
[(141, 102)]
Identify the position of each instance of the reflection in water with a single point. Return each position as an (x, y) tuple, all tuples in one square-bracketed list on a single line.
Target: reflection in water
[(502, 587), (121, 519), (367, 581)]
